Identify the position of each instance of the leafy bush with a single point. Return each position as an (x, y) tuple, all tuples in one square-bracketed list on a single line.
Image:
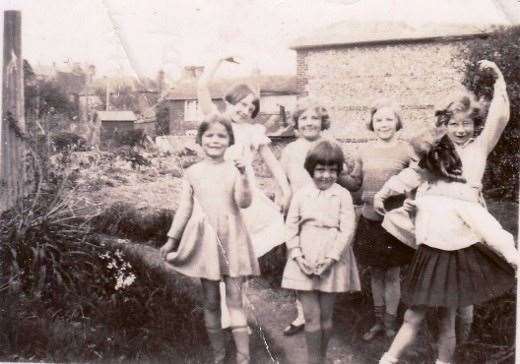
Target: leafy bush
[(65, 141), (131, 138), (503, 48)]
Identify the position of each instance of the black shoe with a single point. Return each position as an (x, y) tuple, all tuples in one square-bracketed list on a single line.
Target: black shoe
[(293, 329)]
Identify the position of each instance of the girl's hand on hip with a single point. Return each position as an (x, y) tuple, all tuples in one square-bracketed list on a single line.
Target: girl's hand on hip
[(323, 266), (304, 266), (409, 206), (167, 247)]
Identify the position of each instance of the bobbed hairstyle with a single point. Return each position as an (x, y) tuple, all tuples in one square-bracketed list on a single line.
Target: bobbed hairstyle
[(327, 153), (308, 103), (464, 103), (438, 156), (214, 119), (385, 103), (240, 91)]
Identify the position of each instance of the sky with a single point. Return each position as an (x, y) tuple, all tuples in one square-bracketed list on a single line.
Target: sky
[(139, 37)]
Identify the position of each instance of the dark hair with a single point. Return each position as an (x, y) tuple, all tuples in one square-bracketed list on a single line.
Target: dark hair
[(442, 160), (380, 104), (214, 119), (240, 91), (308, 103), (463, 103), (326, 153)]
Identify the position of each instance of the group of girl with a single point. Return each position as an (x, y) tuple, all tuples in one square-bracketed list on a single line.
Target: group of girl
[(224, 223)]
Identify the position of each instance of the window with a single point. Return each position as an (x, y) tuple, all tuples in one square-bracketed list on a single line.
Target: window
[(191, 111)]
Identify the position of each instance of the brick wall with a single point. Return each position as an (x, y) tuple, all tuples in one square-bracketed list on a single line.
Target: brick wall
[(178, 125), (349, 79)]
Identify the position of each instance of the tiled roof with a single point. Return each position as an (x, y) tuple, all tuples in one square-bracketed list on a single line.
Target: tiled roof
[(269, 84), (349, 33), (116, 115)]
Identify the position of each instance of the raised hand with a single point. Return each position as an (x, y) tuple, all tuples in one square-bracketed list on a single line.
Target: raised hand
[(490, 66), (239, 164)]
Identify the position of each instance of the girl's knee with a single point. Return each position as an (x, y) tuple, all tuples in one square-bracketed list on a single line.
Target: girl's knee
[(392, 275), (414, 317), (377, 273)]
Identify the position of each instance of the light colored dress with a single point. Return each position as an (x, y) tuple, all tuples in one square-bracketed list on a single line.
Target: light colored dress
[(293, 160), (321, 224), (263, 219), (214, 240)]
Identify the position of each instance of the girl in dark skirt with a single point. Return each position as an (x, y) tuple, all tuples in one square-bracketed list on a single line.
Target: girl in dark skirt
[(374, 247), (452, 268)]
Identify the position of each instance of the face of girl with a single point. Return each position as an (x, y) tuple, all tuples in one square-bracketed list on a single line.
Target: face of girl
[(460, 128), (215, 141), (309, 125), (384, 122), (325, 176), (241, 111)]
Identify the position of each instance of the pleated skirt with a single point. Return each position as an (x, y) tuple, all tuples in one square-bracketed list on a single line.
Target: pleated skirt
[(457, 278)]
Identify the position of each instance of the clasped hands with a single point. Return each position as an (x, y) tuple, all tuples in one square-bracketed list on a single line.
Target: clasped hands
[(319, 269)]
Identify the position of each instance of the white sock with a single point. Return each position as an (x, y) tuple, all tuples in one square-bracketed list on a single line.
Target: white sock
[(438, 361), (387, 359), (300, 320)]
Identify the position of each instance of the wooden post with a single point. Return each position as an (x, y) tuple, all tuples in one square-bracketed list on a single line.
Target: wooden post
[(12, 121)]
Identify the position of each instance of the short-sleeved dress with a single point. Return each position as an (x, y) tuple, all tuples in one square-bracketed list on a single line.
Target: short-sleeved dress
[(263, 219), (214, 239), (321, 224), (374, 246)]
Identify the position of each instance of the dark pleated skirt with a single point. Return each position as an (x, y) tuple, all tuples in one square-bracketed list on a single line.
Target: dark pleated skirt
[(375, 247), (457, 278)]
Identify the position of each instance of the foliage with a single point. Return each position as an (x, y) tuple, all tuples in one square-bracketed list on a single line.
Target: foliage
[(122, 97), (65, 141), (132, 138), (503, 48), (44, 96), (163, 119)]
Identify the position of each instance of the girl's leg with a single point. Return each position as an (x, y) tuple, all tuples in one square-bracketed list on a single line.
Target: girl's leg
[(392, 298), (237, 318), (300, 320), (406, 334), (327, 310), (463, 323), (313, 335), (211, 294), (377, 283), (447, 339)]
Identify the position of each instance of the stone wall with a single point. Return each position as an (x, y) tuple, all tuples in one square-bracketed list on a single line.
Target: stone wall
[(349, 79)]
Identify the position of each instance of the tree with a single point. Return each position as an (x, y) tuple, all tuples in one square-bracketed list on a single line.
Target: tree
[(122, 97), (502, 47), (44, 95)]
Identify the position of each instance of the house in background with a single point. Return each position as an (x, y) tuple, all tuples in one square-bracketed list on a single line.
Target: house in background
[(108, 123), (277, 97), (350, 65)]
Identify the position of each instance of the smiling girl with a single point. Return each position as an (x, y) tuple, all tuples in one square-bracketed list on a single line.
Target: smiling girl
[(374, 246), (263, 219), (321, 263), (214, 243)]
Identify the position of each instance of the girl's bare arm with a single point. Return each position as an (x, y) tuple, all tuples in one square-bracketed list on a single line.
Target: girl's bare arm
[(242, 191), (278, 174), (498, 113), (183, 212), (203, 94)]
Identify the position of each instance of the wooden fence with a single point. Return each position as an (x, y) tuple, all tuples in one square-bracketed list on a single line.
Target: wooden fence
[(12, 123)]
